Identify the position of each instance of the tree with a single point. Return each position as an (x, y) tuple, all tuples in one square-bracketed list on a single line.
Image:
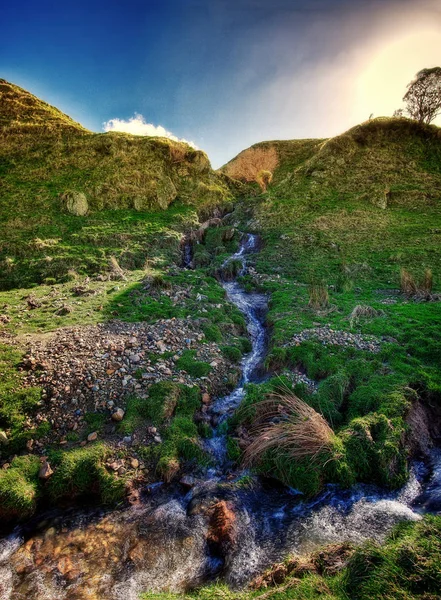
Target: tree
[(423, 96)]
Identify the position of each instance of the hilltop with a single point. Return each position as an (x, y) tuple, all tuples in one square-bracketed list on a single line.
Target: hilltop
[(22, 111)]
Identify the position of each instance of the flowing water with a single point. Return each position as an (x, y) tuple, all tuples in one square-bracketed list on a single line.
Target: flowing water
[(166, 542)]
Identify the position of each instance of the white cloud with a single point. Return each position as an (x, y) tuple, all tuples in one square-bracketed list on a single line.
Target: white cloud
[(137, 125)]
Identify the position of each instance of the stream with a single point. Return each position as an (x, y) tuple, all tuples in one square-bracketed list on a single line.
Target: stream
[(171, 541)]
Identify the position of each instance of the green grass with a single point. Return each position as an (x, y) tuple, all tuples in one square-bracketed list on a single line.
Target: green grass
[(195, 368), (170, 407), (20, 487), (81, 472), (16, 403)]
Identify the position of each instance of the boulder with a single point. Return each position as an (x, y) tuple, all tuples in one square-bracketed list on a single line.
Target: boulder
[(75, 203)]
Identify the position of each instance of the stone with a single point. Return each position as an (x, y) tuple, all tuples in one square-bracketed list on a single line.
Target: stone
[(134, 463), (122, 471), (118, 415), (45, 470), (187, 481), (75, 203), (206, 398), (3, 438), (92, 436)]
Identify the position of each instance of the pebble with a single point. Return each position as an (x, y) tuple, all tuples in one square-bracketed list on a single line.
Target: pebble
[(3, 438), (134, 463), (118, 415), (92, 436)]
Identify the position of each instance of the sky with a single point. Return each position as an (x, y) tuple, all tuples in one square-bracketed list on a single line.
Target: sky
[(220, 74)]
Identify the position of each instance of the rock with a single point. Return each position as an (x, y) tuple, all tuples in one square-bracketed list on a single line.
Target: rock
[(134, 463), (64, 310), (122, 471), (157, 439), (222, 530), (206, 398), (92, 436), (3, 438), (75, 203), (45, 470), (127, 439), (118, 415), (188, 481)]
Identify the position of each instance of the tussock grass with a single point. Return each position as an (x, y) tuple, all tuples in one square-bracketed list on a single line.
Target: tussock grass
[(411, 287), (318, 295), (363, 311), (285, 423)]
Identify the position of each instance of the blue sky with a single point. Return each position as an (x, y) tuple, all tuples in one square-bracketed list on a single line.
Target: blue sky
[(221, 73)]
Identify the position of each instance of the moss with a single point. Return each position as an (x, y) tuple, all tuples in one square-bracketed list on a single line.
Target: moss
[(233, 449), (95, 421), (374, 449)]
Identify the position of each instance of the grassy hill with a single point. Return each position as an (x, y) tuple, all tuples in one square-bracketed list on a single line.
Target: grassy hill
[(70, 199)]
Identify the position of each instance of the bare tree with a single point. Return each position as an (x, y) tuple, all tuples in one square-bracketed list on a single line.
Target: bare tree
[(423, 96)]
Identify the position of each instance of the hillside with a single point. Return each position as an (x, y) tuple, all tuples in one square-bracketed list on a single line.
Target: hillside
[(374, 190), (54, 173)]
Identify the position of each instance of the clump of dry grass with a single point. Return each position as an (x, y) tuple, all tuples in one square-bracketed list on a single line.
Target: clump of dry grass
[(254, 164), (364, 311), (426, 283), (318, 295), (116, 273), (285, 423), (410, 287)]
